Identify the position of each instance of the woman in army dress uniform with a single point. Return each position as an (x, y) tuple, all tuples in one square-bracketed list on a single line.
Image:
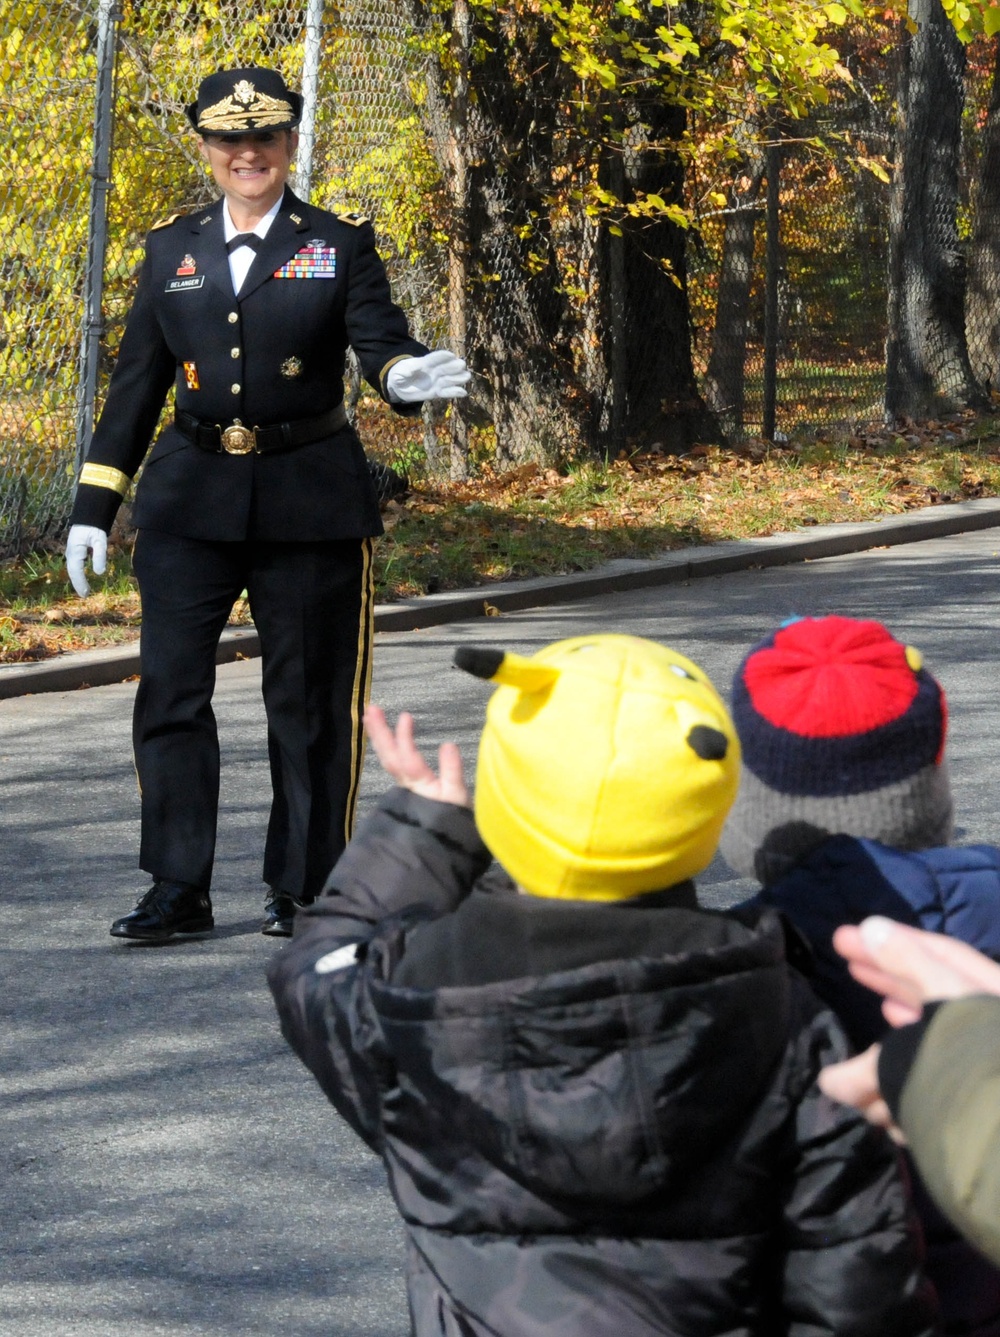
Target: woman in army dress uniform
[(247, 309)]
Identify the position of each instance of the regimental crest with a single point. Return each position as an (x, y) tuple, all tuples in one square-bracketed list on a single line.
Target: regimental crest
[(291, 367)]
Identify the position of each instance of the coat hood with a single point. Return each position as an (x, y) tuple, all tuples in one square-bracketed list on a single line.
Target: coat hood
[(605, 1082)]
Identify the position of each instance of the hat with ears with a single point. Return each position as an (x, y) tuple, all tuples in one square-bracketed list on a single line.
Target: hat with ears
[(842, 731), (237, 102), (606, 766)]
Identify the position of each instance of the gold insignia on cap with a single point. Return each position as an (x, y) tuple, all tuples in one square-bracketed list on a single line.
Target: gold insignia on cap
[(245, 109), (291, 367)]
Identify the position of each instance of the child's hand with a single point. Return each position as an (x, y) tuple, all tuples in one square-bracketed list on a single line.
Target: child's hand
[(400, 759), (910, 967), (855, 1082)]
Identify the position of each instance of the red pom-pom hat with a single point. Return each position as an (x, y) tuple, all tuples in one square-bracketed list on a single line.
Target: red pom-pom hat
[(835, 706)]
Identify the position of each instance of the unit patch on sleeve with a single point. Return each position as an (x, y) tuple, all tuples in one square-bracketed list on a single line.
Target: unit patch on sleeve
[(316, 260)]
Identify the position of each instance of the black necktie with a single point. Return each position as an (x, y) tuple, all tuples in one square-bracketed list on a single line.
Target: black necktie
[(243, 239)]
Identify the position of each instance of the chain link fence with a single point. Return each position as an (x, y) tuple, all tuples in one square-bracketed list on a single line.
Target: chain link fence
[(785, 268), (47, 79), (788, 303)]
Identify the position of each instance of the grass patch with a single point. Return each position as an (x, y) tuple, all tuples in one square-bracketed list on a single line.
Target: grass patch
[(533, 521)]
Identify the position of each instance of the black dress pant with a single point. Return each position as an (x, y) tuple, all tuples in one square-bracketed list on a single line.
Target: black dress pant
[(312, 604)]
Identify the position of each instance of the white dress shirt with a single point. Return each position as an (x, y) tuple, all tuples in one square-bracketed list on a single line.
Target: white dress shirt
[(241, 259)]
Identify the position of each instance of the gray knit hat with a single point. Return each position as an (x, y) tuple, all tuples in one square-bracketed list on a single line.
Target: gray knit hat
[(843, 732)]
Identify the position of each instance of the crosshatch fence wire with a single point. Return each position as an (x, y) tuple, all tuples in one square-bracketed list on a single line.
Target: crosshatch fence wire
[(372, 153)]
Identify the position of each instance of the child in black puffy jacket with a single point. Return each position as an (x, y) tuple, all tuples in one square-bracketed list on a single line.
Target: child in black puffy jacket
[(596, 1102)]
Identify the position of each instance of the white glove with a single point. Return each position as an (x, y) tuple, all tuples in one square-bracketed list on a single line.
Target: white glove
[(83, 539), (438, 375)]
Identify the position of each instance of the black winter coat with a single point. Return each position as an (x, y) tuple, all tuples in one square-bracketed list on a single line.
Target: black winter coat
[(597, 1119)]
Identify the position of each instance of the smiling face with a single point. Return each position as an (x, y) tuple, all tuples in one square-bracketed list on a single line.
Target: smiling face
[(250, 169)]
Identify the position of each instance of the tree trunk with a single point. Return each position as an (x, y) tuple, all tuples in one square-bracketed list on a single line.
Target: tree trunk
[(646, 314), (982, 319), (567, 334), (517, 332), (725, 376), (458, 277), (927, 361)]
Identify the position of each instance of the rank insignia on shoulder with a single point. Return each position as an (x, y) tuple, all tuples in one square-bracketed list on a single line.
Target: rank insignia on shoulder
[(187, 265), (355, 219), (164, 222)]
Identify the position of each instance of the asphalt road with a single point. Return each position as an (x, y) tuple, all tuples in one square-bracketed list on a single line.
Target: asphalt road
[(170, 1167)]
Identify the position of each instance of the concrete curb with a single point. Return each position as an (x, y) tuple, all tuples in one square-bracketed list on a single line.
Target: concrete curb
[(95, 668)]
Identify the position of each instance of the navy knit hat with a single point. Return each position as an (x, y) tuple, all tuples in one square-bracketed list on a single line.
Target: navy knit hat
[(842, 732)]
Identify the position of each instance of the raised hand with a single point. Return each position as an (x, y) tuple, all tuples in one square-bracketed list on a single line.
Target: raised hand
[(400, 758), (910, 967), (437, 375)]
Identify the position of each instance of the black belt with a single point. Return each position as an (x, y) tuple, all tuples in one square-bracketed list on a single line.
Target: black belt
[(238, 439)]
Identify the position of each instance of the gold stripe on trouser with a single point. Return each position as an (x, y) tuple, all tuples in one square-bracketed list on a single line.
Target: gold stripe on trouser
[(102, 475), (135, 761), (362, 681)]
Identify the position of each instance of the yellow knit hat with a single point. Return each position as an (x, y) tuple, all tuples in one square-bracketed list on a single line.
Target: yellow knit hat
[(606, 768)]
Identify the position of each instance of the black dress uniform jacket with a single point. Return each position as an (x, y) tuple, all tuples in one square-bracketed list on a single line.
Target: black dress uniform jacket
[(272, 354), (597, 1120), (293, 528)]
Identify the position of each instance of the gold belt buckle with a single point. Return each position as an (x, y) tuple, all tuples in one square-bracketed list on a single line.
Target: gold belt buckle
[(238, 440)]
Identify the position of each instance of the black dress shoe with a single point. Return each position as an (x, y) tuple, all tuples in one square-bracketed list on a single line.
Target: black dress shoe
[(167, 909), (279, 913)]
